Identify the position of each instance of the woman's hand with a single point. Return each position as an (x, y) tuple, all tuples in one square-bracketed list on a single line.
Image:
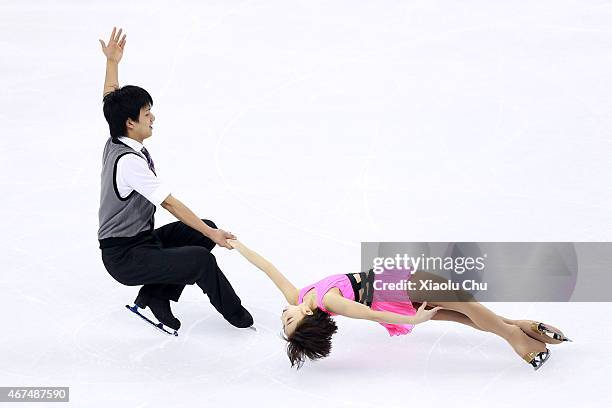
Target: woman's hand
[(114, 49), (424, 315), (234, 243)]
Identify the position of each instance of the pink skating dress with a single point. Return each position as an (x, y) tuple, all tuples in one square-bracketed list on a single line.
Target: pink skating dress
[(396, 302)]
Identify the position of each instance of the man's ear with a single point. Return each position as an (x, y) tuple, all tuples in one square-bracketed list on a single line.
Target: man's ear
[(129, 124)]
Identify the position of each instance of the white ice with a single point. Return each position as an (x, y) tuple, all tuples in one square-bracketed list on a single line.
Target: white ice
[(305, 127)]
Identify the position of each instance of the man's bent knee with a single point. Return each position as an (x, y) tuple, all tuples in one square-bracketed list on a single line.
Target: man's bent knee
[(210, 223)]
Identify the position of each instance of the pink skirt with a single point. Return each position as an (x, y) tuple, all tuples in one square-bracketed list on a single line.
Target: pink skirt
[(403, 308), (394, 301)]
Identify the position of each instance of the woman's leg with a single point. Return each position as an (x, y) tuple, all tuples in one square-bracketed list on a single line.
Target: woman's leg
[(524, 325), (454, 316), (479, 315), (450, 316)]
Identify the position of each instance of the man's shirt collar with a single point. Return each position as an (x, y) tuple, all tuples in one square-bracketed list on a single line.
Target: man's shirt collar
[(134, 144)]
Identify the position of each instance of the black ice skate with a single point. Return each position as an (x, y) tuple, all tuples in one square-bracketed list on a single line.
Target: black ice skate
[(162, 312), (241, 319)]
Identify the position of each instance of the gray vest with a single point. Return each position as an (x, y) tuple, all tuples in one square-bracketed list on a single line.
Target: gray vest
[(121, 217)]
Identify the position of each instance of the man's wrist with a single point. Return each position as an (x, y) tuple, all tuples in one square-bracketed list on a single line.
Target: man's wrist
[(206, 230)]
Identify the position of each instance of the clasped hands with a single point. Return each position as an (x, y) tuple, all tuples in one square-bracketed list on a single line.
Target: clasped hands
[(221, 237)]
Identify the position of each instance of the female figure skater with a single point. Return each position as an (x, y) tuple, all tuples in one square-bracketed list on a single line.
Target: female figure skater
[(308, 327)]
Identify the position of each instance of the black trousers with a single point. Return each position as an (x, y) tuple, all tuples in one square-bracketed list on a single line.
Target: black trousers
[(167, 259)]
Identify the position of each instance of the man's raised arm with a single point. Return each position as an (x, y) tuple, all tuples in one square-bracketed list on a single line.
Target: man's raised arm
[(113, 52)]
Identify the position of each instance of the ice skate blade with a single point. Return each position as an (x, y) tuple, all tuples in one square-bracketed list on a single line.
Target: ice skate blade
[(537, 359), (159, 326), (551, 332)]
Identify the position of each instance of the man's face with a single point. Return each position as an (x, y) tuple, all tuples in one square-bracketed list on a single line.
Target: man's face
[(144, 127)]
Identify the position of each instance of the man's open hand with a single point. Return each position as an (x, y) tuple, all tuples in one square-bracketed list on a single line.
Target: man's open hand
[(114, 49), (220, 237)]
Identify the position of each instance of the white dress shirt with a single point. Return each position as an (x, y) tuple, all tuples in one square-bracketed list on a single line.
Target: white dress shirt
[(133, 173)]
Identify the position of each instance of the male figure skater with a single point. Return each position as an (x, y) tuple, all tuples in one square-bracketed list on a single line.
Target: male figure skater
[(165, 259)]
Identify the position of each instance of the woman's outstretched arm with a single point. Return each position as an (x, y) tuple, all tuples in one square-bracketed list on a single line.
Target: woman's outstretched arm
[(345, 307), (282, 283)]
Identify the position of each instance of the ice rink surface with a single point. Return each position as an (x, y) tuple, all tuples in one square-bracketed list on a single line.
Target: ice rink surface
[(305, 127)]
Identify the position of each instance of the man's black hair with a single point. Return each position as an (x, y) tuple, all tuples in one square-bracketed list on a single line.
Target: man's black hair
[(123, 104)]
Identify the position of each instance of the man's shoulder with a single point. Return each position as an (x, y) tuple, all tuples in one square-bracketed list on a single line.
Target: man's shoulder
[(117, 146), (115, 150)]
